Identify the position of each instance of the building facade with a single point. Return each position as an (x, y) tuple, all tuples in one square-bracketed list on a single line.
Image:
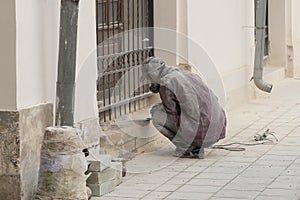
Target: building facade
[(217, 34)]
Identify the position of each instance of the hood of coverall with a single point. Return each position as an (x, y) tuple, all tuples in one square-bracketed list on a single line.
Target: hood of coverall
[(154, 69)]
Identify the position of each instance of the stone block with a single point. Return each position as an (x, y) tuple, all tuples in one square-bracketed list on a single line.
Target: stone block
[(21, 133), (103, 188), (108, 174), (9, 143), (100, 177), (33, 122), (10, 187), (103, 162)]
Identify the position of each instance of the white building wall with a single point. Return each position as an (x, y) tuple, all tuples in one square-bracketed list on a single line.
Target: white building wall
[(37, 55), (224, 29), (295, 18), (7, 55), (85, 99), (165, 15), (36, 64)]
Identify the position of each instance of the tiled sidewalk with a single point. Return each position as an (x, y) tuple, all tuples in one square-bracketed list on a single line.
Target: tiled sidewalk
[(262, 172)]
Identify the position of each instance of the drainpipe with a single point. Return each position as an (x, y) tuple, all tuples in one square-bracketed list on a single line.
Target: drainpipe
[(65, 85), (260, 45)]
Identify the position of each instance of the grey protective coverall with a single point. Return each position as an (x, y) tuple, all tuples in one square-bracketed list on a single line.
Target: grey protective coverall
[(189, 115)]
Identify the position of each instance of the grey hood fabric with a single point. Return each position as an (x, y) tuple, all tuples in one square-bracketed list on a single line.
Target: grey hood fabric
[(153, 69), (193, 107)]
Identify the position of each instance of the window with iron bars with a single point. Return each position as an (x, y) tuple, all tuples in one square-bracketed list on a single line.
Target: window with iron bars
[(121, 50)]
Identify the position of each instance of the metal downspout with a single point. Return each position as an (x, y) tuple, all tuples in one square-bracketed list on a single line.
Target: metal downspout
[(65, 86), (261, 10)]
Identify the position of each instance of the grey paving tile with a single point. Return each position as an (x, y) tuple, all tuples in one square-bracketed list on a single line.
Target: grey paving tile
[(208, 182), (129, 193), (178, 168), (150, 179), (291, 172), (279, 157), (293, 179), (189, 196), (113, 198), (295, 133), (251, 153), (167, 188), (253, 180), (204, 162), (187, 174), (284, 193), (225, 170), (184, 161), (195, 169), (231, 164), (138, 187), (265, 172), (284, 185), (156, 195), (283, 153), (273, 163), (297, 161), (216, 175), (238, 159), (291, 141), (281, 147), (237, 194), (224, 198), (284, 130), (295, 165), (286, 182), (262, 197), (199, 189), (245, 186), (178, 181)]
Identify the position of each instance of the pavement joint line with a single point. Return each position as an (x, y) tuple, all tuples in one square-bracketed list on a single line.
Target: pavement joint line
[(165, 182), (202, 172), (255, 160), (180, 186), (280, 175), (239, 174)]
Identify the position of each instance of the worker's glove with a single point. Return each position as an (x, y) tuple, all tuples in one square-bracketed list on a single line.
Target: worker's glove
[(154, 87)]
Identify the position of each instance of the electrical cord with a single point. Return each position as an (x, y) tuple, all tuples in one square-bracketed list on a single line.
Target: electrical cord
[(260, 139)]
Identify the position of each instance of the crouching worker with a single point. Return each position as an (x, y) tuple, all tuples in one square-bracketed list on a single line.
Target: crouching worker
[(189, 114)]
